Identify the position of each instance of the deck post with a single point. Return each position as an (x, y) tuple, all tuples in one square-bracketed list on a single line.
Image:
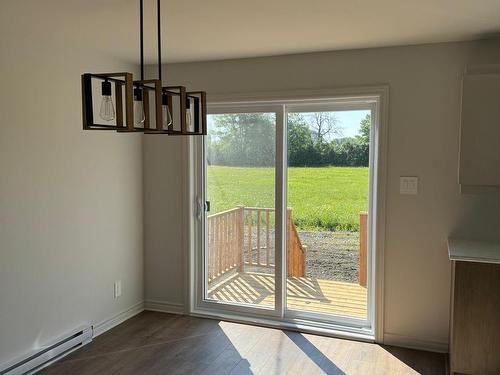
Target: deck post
[(241, 237), (296, 252), (289, 252), (258, 237), (363, 239)]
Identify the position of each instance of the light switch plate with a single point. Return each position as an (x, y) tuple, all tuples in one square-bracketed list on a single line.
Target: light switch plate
[(408, 185)]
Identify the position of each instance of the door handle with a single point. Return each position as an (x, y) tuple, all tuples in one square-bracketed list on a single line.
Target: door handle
[(199, 208)]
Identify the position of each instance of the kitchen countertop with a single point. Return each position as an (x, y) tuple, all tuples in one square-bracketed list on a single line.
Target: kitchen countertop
[(473, 251)]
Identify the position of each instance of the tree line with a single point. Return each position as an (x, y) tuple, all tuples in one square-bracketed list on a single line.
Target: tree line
[(314, 139)]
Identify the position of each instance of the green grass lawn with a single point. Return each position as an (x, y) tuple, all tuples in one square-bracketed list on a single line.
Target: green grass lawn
[(328, 198)]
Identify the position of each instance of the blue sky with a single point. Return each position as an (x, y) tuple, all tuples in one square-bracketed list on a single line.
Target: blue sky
[(349, 122)]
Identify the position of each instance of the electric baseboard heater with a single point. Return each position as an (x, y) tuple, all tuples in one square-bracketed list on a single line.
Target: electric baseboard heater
[(32, 362)]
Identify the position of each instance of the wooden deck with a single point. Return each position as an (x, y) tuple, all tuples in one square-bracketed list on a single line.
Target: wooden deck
[(304, 294)]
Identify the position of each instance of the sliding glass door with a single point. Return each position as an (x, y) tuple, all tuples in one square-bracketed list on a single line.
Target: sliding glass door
[(327, 208), (287, 196), (240, 231)]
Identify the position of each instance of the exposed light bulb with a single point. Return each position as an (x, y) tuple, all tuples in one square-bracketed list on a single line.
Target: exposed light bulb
[(107, 111), (189, 117), (139, 116), (166, 116)]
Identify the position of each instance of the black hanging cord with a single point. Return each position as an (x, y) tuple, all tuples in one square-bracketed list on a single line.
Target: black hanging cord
[(158, 10), (159, 38), (142, 37)]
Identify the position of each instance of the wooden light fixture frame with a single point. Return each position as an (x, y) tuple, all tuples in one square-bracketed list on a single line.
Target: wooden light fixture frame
[(145, 86), (88, 104), (125, 82)]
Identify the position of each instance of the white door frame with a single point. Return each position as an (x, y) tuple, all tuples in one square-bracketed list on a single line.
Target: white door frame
[(200, 304), (339, 105), (194, 149)]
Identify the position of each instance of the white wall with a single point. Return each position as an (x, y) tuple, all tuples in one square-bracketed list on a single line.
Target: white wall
[(70, 201), (423, 141), (163, 217)]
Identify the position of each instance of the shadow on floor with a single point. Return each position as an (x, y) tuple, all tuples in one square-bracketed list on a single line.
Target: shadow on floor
[(316, 355), (254, 288), (153, 343), (420, 361)]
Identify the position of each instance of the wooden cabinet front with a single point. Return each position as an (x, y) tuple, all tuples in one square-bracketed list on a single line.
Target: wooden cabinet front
[(475, 319)]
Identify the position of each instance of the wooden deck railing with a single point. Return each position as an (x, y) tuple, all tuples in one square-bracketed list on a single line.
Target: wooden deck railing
[(296, 251), (363, 243), (244, 236), (258, 247), (225, 242)]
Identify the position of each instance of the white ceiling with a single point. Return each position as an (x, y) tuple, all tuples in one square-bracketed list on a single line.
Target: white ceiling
[(220, 29)]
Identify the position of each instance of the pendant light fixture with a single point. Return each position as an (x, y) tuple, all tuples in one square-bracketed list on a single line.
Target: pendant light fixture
[(114, 101)]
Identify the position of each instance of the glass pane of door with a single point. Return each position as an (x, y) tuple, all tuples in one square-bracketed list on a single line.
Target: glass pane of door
[(240, 189), (328, 191)]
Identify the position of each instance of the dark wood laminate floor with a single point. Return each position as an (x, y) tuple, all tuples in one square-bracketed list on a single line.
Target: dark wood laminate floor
[(158, 343)]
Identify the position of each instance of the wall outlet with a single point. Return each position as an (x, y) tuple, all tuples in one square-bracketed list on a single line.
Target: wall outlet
[(118, 289), (408, 185)]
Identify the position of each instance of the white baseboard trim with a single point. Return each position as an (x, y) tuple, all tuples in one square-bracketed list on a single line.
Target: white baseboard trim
[(414, 343), (164, 306), (109, 323)]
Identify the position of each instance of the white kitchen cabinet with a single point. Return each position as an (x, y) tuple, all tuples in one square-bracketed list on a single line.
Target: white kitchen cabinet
[(480, 130)]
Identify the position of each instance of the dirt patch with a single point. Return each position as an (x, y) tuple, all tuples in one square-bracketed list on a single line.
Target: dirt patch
[(332, 255)]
